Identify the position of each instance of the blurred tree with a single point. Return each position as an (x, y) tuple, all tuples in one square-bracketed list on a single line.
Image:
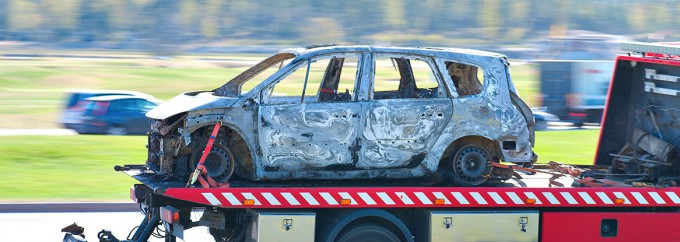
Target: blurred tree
[(489, 18), (661, 18), (165, 27), (394, 14), (153, 24), (24, 19), (321, 31), (636, 17), (4, 15)]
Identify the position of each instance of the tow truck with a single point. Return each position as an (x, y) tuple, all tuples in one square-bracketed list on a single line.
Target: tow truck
[(631, 192)]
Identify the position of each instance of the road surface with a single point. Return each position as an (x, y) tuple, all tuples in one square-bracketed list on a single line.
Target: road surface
[(42, 227)]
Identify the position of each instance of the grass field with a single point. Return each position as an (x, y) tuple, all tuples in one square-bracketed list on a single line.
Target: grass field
[(80, 167), (32, 91)]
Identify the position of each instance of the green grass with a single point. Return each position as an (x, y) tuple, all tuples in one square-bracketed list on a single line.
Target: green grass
[(80, 168), (571, 147), (32, 91), (67, 168)]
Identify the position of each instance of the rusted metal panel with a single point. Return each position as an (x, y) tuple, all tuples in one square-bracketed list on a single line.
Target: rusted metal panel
[(295, 137), (400, 132)]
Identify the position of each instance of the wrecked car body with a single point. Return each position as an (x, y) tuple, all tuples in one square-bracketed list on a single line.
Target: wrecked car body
[(351, 112)]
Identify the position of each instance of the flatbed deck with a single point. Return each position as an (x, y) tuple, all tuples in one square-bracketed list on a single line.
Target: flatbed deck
[(532, 190)]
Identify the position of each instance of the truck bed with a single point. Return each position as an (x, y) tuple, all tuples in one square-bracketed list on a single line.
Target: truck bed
[(532, 190)]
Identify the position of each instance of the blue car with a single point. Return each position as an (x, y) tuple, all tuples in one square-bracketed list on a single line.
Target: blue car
[(113, 114)]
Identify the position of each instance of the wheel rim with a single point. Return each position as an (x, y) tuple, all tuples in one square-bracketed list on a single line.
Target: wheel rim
[(472, 165), (219, 163)]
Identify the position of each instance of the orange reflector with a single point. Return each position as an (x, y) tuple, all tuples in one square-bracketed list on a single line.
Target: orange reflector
[(345, 201), (620, 200), (530, 200), (248, 202), (439, 201)]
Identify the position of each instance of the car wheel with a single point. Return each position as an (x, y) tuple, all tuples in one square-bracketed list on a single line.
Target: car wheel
[(471, 165), (116, 130), (219, 163), (367, 232)]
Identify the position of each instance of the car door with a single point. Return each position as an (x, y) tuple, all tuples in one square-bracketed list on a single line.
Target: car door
[(310, 117), (408, 110)]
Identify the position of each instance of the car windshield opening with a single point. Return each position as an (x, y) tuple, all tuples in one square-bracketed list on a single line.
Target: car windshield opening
[(255, 75)]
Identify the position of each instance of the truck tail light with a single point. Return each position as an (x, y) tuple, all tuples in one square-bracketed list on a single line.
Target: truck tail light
[(572, 114), (619, 200), (530, 200), (248, 202), (170, 214), (345, 201), (439, 201), (132, 194)]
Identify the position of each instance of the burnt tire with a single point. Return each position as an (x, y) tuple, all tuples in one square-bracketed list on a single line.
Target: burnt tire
[(471, 165), (219, 163), (367, 232)]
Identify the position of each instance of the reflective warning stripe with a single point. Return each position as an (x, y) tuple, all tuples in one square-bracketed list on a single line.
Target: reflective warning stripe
[(309, 198), (231, 198), (367, 199), (270, 198), (289, 197), (460, 198), (586, 197), (640, 199), (404, 198), (386, 198), (211, 199), (464, 197), (496, 198), (674, 197)]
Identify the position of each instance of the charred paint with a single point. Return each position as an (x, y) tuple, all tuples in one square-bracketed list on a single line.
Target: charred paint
[(369, 136)]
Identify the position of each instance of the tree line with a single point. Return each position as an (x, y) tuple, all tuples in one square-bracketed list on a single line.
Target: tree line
[(157, 23)]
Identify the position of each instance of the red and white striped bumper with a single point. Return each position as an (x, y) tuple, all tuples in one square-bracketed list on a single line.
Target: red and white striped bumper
[(404, 197)]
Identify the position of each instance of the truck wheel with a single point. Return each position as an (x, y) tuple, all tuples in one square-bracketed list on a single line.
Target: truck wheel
[(219, 163), (367, 232), (471, 165)]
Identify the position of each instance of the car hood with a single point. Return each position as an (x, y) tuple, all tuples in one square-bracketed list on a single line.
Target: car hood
[(190, 101)]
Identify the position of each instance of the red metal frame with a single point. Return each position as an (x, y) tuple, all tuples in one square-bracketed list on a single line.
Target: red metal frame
[(433, 197), (586, 226), (672, 62)]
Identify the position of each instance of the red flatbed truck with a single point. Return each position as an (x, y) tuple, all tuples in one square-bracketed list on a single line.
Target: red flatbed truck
[(524, 209)]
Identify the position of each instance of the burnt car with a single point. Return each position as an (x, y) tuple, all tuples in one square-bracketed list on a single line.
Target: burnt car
[(351, 112)]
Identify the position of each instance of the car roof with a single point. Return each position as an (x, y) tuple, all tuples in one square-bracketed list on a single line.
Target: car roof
[(97, 91), (427, 51), (115, 98)]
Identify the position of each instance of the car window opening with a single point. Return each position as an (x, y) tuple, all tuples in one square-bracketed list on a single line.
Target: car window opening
[(321, 80), (409, 78), (467, 79)]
